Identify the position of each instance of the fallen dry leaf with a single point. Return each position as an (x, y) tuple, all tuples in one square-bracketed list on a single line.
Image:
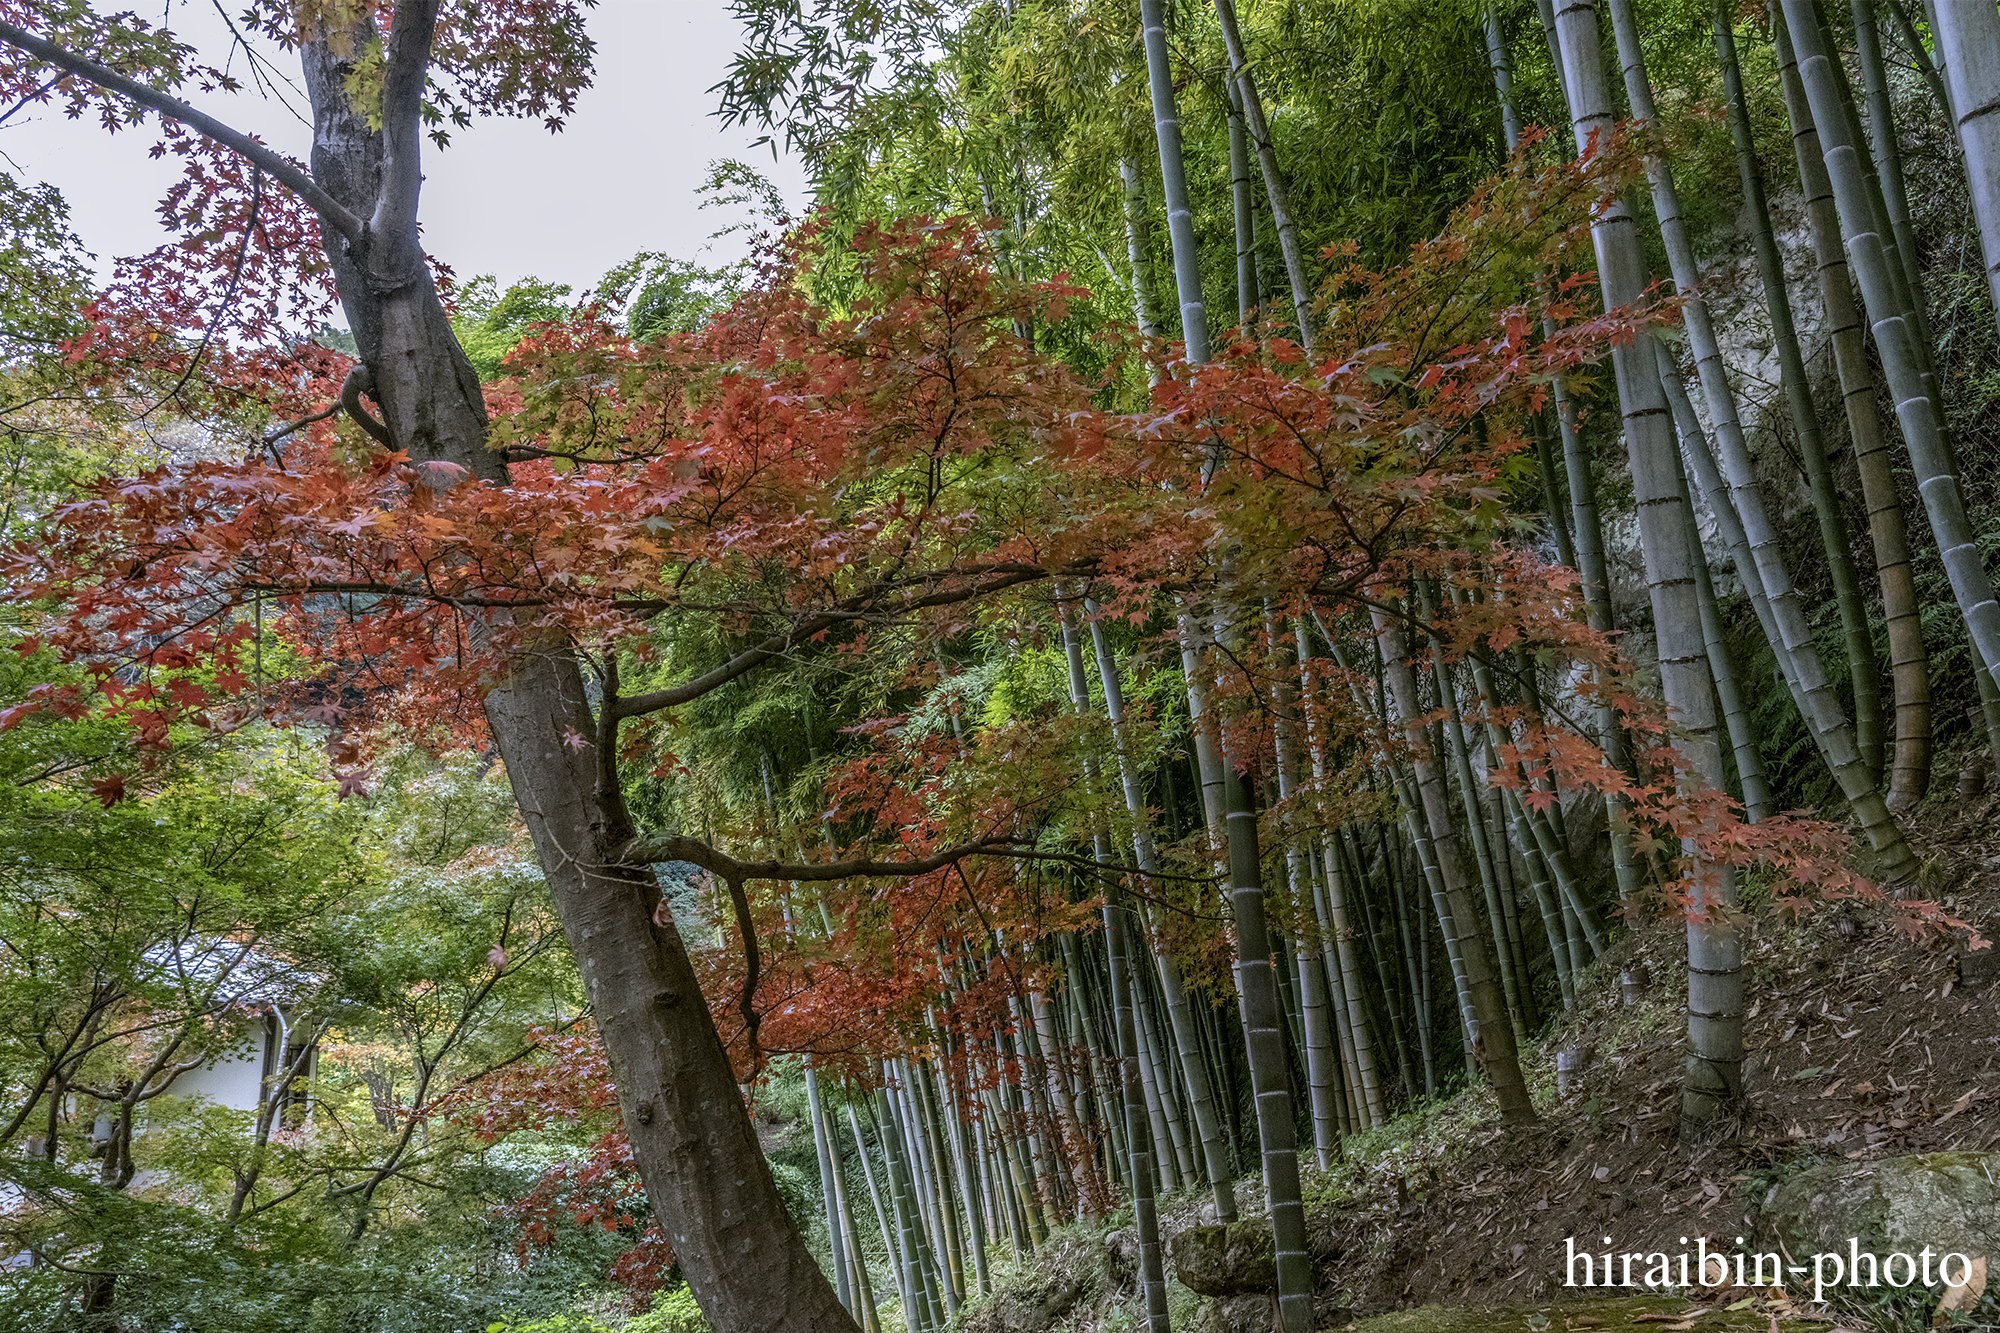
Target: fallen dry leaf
[(1964, 1295)]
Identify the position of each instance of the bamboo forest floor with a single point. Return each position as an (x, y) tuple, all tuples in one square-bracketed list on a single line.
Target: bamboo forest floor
[(1863, 1042), (1863, 1045)]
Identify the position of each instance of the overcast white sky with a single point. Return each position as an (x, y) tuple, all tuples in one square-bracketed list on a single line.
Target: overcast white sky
[(507, 197)]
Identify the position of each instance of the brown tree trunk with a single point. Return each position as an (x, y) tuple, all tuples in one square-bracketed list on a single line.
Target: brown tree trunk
[(705, 1174)]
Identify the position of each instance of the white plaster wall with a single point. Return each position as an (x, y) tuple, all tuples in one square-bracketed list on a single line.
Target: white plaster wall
[(233, 1079)]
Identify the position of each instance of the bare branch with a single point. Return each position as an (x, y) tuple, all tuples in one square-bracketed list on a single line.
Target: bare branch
[(280, 169)]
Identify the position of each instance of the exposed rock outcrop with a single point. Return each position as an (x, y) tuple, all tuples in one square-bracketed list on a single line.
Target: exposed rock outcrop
[(1948, 1201), (1233, 1260)]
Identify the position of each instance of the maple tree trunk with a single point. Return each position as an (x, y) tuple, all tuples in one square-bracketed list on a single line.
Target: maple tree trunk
[(1909, 665), (696, 1150), (428, 390)]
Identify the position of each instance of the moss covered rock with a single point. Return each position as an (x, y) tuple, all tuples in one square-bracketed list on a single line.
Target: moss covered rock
[(1948, 1201), (1231, 1260)]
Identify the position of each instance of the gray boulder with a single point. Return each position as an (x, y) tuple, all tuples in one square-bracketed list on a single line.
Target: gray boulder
[(1121, 1255), (1236, 1314), (1233, 1260), (1948, 1201)]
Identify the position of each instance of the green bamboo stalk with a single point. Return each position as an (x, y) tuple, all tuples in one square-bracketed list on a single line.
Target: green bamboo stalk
[(1152, 1280), (1887, 152), (1909, 665), (906, 1202), (1583, 549), (1864, 677), (1416, 958), (836, 1242), (1357, 877), (1257, 996), (1475, 826), (1139, 248), (1249, 300), (971, 1187), (1048, 1160), (1160, 1060), (1275, 188), (1758, 802), (899, 1259), (1313, 1006), (1173, 178), (1875, 269), (1715, 954), (1488, 1031)]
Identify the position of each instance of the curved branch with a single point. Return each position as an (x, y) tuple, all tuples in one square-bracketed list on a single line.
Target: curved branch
[(285, 172), (228, 305), (653, 848), (270, 442), (359, 381), (649, 849), (1004, 577), (752, 968)]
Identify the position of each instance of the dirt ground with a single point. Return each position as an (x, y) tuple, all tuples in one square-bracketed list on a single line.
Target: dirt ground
[(1864, 1043)]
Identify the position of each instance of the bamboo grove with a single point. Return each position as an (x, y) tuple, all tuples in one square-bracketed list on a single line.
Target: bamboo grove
[(1162, 630)]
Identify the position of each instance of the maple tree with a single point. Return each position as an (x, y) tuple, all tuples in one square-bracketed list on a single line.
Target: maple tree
[(865, 463)]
